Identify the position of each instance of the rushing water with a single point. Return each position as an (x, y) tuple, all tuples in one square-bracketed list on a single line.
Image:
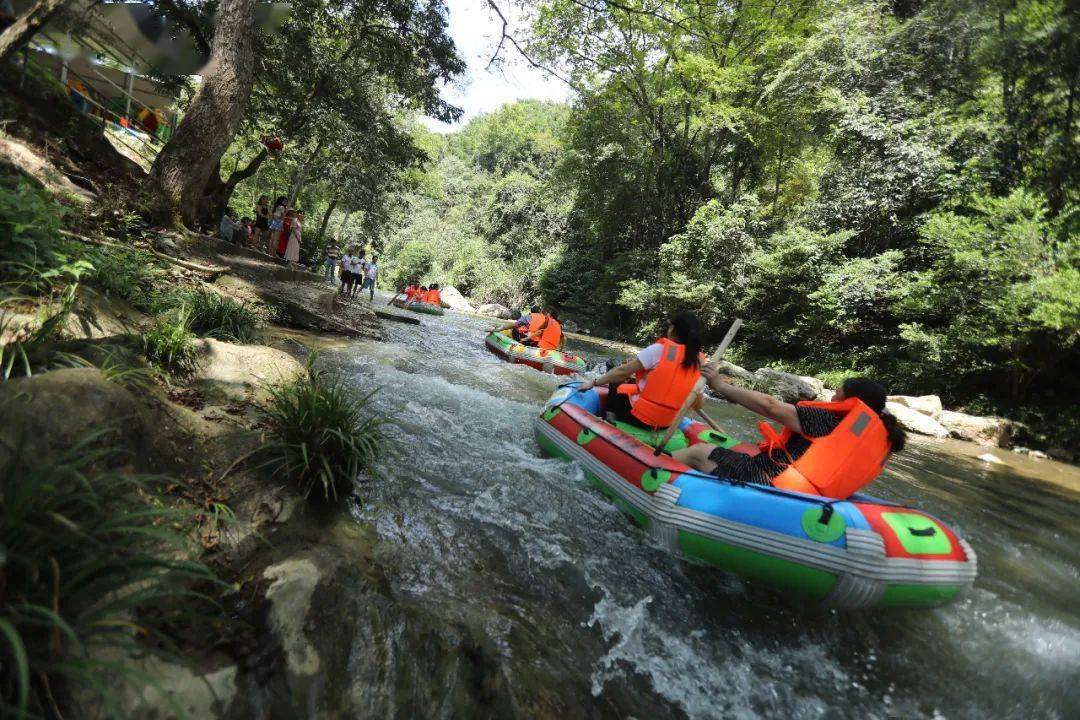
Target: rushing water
[(590, 618)]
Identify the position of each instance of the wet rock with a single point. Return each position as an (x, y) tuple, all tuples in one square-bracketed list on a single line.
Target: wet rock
[(991, 458), (926, 404), (454, 300), (914, 421), (787, 387), (495, 310), (990, 431), (289, 594)]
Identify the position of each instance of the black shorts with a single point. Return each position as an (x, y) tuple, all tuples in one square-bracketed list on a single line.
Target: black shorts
[(262, 224), (348, 277)]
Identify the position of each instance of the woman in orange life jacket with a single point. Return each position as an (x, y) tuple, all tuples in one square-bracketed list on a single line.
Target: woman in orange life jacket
[(830, 449), (666, 373), (521, 326), (433, 296), (551, 337)]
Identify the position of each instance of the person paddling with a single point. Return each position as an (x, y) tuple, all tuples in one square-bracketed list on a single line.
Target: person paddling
[(826, 448), (550, 337), (665, 373), (523, 326)]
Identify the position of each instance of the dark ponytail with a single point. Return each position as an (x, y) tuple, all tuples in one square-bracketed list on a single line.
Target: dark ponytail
[(688, 333), (874, 395)]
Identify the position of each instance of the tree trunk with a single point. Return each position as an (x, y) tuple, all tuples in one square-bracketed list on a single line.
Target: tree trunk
[(26, 25), (218, 193), (174, 187), (302, 173), (325, 221), (344, 224)]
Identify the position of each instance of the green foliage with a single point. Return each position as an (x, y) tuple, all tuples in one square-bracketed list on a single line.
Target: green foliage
[(1000, 295), (883, 187), (34, 257), (26, 348), (126, 273), (83, 552), (169, 342), (482, 216), (218, 316), (322, 435)]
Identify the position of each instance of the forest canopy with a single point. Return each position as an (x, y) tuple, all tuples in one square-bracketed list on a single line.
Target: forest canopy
[(885, 188)]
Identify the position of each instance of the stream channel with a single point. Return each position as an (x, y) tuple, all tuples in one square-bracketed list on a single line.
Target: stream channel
[(590, 618)]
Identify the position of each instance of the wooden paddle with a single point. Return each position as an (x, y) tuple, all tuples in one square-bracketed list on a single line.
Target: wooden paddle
[(712, 423), (391, 302), (698, 386)]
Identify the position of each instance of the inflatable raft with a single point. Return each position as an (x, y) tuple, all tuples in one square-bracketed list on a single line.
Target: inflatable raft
[(552, 361), (420, 307), (856, 553)]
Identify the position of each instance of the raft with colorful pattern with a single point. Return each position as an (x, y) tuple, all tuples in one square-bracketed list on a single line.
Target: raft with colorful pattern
[(550, 361), (856, 553), (417, 306)]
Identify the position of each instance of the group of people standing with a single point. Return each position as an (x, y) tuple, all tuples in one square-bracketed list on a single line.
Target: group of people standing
[(357, 274), (278, 228)]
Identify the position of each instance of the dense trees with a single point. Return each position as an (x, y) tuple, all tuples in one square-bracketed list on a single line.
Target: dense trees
[(889, 188)]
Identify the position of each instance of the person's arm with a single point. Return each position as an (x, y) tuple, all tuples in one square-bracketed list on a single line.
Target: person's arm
[(756, 402), (616, 375)]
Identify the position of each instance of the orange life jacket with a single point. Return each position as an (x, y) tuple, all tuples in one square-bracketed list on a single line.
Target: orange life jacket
[(536, 322), (411, 291), (433, 297), (549, 339), (666, 388), (840, 463)]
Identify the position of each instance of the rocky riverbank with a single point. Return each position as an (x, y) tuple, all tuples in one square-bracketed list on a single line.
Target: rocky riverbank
[(274, 554)]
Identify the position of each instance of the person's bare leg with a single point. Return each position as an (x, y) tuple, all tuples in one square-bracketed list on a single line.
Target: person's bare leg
[(696, 456)]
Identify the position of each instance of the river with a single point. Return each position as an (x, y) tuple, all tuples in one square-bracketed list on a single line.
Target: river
[(587, 617)]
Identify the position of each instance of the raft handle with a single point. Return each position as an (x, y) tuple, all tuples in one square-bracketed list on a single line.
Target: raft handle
[(924, 532), (826, 514)]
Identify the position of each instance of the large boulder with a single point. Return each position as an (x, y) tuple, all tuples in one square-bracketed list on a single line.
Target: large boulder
[(238, 372), (454, 300), (50, 413), (991, 431), (926, 404), (740, 376), (787, 387), (914, 421), (495, 310)]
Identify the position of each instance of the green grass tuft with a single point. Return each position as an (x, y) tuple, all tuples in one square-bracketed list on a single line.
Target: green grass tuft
[(219, 316), (322, 435), (88, 567), (168, 343), (127, 274)]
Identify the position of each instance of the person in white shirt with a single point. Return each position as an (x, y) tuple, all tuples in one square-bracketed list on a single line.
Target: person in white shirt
[(346, 272), (358, 268), (370, 275)]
